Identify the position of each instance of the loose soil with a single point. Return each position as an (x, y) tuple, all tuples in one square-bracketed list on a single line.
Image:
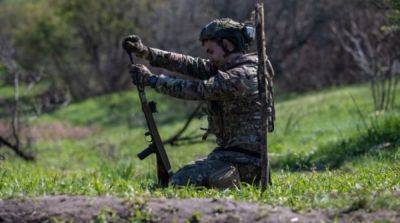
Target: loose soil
[(111, 209)]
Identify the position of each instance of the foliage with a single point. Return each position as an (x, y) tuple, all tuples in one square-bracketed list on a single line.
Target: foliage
[(3, 73), (373, 49), (77, 43), (395, 15)]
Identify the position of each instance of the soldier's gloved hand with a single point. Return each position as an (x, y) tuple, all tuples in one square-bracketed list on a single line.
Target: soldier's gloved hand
[(142, 76), (133, 44)]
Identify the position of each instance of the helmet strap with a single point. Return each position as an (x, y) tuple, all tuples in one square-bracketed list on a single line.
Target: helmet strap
[(220, 42)]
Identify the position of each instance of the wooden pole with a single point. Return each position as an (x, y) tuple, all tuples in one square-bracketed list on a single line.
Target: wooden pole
[(261, 73)]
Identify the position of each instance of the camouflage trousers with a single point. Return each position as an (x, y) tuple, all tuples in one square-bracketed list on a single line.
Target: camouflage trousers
[(219, 170)]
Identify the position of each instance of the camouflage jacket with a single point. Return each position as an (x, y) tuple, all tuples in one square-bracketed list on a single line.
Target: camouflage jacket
[(231, 93)]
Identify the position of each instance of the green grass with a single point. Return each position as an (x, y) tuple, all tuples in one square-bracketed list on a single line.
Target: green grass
[(322, 154), (378, 136), (121, 109)]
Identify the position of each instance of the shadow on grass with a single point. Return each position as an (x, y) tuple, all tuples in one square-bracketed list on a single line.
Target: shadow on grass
[(377, 137)]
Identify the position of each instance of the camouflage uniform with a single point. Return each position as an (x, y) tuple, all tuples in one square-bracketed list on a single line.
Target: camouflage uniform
[(233, 111)]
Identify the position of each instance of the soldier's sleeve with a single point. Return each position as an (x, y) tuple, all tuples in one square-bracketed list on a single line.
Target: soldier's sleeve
[(223, 86), (194, 67)]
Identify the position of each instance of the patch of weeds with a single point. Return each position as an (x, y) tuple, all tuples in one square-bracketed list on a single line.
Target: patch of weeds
[(106, 215), (293, 122), (142, 215), (103, 216), (360, 203), (56, 220), (195, 218), (141, 211), (99, 186), (383, 221), (387, 201), (219, 209)]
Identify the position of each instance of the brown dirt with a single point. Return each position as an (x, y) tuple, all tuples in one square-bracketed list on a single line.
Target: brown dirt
[(85, 209), (51, 131), (57, 131)]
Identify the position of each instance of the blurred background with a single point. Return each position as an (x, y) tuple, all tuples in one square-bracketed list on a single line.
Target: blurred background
[(57, 52), (74, 46)]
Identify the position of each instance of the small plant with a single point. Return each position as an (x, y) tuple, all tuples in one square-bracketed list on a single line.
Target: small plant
[(196, 217), (292, 122), (219, 209)]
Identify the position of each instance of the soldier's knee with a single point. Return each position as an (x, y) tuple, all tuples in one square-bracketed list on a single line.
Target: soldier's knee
[(226, 177)]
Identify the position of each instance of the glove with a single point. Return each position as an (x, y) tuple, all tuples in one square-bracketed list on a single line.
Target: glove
[(142, 76), (133, 44)]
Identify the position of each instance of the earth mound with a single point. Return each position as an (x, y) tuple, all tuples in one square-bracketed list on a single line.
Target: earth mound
[(111, 209)]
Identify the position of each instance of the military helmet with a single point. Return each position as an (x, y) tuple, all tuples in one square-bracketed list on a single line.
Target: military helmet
[(239, 34)]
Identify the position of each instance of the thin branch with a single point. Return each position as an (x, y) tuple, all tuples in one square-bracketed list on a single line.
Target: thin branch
[(7, 54), (15, 117), (177, 137), (363, 118), (189, 140), (20, 153)]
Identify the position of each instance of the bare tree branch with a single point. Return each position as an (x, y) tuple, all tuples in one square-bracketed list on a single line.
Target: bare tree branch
[(178, 136), (374, 52), (20, 153), (6, 57)]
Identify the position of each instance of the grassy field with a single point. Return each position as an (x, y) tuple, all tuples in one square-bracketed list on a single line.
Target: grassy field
[(324, 153)]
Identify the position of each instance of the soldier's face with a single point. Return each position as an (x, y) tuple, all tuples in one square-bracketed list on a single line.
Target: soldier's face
[(214, 52)]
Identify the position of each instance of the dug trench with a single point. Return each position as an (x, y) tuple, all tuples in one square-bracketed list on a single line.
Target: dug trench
[(111, 209)]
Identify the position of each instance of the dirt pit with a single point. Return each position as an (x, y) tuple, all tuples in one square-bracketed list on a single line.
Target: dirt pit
[(110, 209)]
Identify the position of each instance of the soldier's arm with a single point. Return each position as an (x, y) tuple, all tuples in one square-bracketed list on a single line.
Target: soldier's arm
[(194, 67), (223, 86)]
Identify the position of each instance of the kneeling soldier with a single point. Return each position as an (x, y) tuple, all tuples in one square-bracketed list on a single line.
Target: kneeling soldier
[(227, 81)]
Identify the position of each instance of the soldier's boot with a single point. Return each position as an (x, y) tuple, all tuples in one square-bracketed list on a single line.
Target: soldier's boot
[(207, 173), (225, 177), (194, 174)]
